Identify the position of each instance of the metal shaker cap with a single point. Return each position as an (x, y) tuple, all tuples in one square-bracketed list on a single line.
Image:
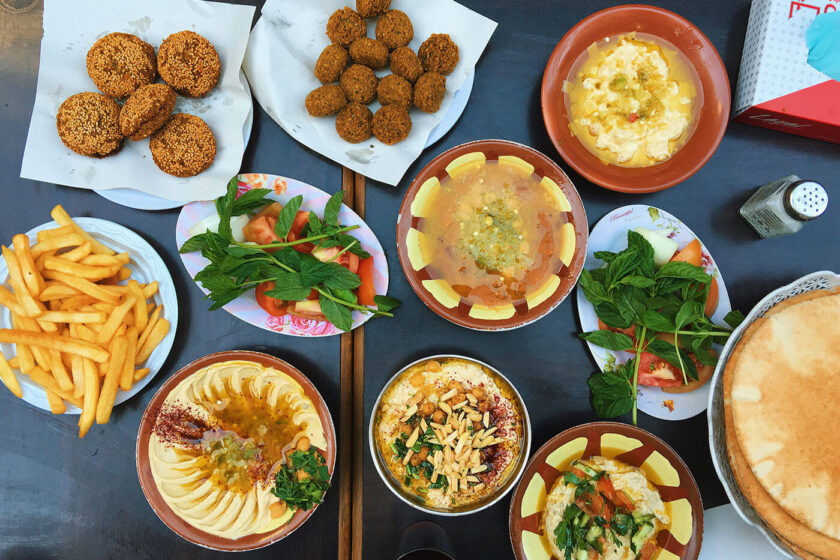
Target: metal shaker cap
[(806, 199)]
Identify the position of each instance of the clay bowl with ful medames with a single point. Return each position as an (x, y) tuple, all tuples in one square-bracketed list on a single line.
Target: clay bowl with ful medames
[(144, 469), (711, 103)]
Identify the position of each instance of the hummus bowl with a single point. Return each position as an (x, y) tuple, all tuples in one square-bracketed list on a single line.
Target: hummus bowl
[(635, 98), (491, 235), (638, 463), (218, 436), (449, 435)]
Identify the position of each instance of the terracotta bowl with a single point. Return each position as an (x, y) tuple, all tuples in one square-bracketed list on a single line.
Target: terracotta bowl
[(622, 442), (542, 167), (144, 471), (686, 37)]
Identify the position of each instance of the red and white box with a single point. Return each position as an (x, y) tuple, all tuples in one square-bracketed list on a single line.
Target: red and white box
[(777, 88)]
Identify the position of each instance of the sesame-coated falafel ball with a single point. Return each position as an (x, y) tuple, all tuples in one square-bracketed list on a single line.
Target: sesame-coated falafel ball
[(184, 146), (406, 64), (359, 83), (394, 29), (429, 91), (345, 26), (146, 110), (119, 63), (88, 123), (372, 8), (393, 89), (189, 63), (331, 63), (369, 52), (325, 100), (438, 54), (391, 124), (353, 123)]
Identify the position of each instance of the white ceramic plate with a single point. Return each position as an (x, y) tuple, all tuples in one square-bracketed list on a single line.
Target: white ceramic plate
[(144, 201), (459, 103), (146, 266), (245, 307), (610, 234)]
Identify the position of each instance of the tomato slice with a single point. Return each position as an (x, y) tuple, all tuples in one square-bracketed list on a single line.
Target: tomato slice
[(624, 501), (594, 505), (270, 211), (300, 221), (712, 298), (656, 372), (605, 487), (691, 253), (260, 230), (273, 306), (366, 290)]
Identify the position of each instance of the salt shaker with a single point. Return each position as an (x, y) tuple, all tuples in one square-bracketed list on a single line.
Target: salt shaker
[(783, 206)]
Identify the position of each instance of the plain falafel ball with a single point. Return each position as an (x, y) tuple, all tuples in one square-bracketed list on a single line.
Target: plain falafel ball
[(394, 29), (345, 26), (331, 63), (89, 124), (372, 8), (438, 54), (359, 83), (325, 100), (369, 52), (406, 64), (429, 91), (393, 89), (391, 124), (353, 123)]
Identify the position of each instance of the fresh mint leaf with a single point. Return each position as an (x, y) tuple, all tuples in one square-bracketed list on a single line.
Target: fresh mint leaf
[(314, 272), (683, 270), (612, 395), (194, 243), (593, 290), (287, 217), (346, 295), (609, 340), (606, 256), (611, 316), (656, 321), (386, 303), (687, 314), (734, 318), (336, 313), (638, 281), (668, 352), (332, 208), (341, 278), (316, 227), (225, 209), (289, 286), (630, 302), (625, 263), (249, 201), (644, 251)]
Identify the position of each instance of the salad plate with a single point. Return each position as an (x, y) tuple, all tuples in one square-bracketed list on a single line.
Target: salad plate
[(610, 234), (196, 217)]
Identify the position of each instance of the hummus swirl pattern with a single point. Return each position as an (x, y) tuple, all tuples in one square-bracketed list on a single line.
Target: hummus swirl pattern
[(220, 437)]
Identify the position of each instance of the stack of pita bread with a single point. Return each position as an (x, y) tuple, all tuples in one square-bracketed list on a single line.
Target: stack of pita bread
[(782, 406)]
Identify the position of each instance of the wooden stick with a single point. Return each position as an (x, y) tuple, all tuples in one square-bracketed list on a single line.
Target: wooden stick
[(358, 402)]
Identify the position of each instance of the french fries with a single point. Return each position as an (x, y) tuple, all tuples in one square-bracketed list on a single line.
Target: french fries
[(82, 327)]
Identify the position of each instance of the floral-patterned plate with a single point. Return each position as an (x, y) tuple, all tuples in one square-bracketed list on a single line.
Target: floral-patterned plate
[(245, 307), (610, 234)]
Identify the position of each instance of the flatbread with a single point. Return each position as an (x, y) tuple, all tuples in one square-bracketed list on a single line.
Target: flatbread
[(802, 537)]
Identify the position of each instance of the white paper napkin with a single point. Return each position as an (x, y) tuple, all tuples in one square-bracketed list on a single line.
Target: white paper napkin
[(726, 536), (71, 28), (286, 42)]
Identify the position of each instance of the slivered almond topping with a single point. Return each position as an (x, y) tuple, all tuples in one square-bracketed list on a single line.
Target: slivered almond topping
[(424, 426), (416, 398), (409, 413), (474, 417), (471, 398), (436, 426), (407, 457), (478, 469), (445, 407), (448, 395), (434, 477), (459, 405), (470, 410), (486, 420), (490, 431), (478, 487), (471, 478), (412, 439)]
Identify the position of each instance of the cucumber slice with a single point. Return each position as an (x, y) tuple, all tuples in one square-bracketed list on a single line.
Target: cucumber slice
[(582, 554), (593, 533), (585, 468), (584, 519), (641, 536), (641, 518), (663, 247)]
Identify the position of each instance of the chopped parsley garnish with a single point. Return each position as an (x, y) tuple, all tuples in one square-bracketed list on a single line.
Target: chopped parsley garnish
[(309, 491)]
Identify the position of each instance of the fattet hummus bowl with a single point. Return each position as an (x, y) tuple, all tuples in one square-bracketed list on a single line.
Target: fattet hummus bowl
[(492, 235), (622, 490), (233, 449)]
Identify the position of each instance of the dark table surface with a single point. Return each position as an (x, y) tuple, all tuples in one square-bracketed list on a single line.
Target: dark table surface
[(65, 498)]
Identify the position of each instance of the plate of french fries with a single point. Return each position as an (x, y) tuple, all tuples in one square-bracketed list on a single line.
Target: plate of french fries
[(88, 314)]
